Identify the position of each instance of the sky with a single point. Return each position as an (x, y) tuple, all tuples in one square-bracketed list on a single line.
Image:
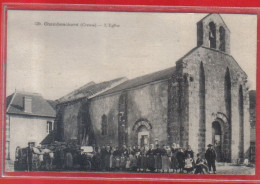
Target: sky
[(53, 60)]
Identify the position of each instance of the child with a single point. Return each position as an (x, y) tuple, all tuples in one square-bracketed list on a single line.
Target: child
[(200, 166), (188, 164)]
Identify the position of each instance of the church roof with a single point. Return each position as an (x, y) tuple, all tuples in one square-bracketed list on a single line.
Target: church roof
[(142, 80), (90, 89), (163, 74), (40, 106)]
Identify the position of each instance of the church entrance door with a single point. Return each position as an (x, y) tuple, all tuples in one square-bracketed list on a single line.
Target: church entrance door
[(217, 139), (142, 129), (143, 138)]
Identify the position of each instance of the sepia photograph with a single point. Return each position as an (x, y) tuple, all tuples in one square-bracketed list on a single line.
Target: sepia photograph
[(130, 92)]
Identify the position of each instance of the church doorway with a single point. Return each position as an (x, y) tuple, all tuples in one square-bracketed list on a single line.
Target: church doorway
[(142, 129), (143, 136), (217, 139)]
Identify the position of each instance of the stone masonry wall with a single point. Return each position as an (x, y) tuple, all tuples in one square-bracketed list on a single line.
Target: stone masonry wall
[(203, 32), (70, 121), (145, 102), (105, 105), (215, 64), (149, 102)]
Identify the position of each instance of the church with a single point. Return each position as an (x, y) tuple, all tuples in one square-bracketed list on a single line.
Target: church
[(201, 100)]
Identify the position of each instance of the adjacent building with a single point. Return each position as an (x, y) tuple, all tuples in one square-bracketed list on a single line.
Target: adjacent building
[(201, 100), (29, 118), (252, 111)]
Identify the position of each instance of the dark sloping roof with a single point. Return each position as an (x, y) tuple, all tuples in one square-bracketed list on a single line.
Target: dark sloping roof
[(146, 79), (90, 90), (53, 103), (160, 75), (49, 138), (8, 99), (40, 106)]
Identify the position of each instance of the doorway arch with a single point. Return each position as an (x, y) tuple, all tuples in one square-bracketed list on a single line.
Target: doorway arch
[(217, 139), (142, 129), (143, 136), (223, 121)]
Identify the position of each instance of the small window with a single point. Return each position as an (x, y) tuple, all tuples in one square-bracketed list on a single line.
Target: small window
[(212, 35), (222, 39), (27, 104), (49, 127), (104, 125)]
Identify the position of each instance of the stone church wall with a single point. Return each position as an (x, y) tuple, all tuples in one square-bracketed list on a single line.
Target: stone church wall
[(215, 64), (149, 102), (105, 105), (145, 102), (70, 117)]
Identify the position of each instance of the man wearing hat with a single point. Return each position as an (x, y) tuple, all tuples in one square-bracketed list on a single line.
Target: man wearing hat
[(29, 156), (210, 156)]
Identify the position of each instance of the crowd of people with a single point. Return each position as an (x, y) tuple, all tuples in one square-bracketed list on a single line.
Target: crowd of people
[(165, 159)]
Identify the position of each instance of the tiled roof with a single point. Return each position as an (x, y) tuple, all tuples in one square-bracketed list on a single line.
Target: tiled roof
[(91, 89), (8, 99), (146, 79), (53, 103), (40, 106), (49, 138)]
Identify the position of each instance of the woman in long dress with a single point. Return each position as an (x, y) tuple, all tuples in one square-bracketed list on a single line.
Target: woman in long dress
[(174, 161), (107, 155), (158, 158), (133, 162), (150, 158), (181, 159), (112, 159), (166, 159), (143, 160)]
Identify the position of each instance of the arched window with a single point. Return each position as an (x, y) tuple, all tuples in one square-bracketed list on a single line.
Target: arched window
[(222, 37), (202, 124), (227, 87), (241, 123), (104, 125), (212, 35), (228, 104)]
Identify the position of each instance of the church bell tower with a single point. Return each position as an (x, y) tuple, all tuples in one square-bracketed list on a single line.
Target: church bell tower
[(213, 33)]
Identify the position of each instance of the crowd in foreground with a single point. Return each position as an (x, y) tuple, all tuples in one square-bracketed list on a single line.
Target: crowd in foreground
[(165, 159)]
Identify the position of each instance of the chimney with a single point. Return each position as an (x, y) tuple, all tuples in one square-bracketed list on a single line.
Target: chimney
[(27, 104)]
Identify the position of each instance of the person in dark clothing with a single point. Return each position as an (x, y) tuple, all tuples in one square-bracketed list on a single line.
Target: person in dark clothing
[(116, 156), (133, 150), (200, 167), (158, 158), (143, 161), (181, 159), (150, 158), (97, 159), (29, 156), (189, 151), (58, 159), (210, 156), (124, 151), (107, 154), (102, 155)]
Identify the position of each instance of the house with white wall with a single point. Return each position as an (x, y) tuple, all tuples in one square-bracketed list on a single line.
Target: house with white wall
[(29, 118)]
